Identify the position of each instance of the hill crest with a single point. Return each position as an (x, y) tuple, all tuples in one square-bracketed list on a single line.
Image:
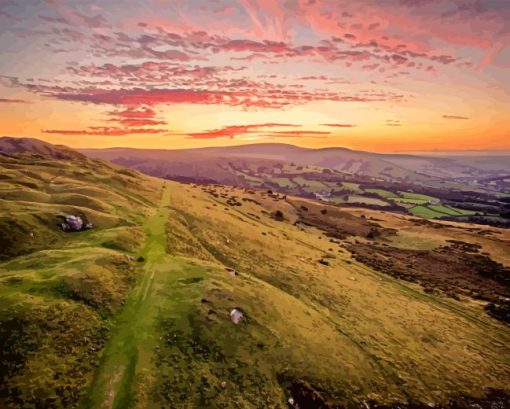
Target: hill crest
[(19, 146)]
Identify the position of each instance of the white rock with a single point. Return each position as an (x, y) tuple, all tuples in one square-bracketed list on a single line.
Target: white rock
[(236, 315)]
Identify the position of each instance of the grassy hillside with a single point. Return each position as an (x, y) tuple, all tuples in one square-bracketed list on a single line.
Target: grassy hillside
[(318, 323), (59, 291), (447, 172), (339, 310), (429, 187)]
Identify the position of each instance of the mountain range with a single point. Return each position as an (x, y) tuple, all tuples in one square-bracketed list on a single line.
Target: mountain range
[(205, 162)]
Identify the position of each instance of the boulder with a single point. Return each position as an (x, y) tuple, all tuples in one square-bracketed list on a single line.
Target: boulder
[(74, 223), (236, 315)]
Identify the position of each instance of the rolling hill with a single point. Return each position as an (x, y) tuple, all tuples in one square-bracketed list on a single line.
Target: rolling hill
[(464, 188), (59, 291), (339, 309), (425, 170), (35, 147)]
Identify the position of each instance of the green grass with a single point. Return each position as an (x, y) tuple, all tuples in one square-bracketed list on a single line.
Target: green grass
[(282, 182), (437, 211), (254, 181), (127, 361), (296, 306), (406, 240), (500, 195), (416, 199), (383, 193), (366, 200), (417, 196), (337, 199), (158, 333), (410, 201), (353, 187), (427, 212), (359, 199), (310, 185), (454, 211), (59, 291), (446, 210)]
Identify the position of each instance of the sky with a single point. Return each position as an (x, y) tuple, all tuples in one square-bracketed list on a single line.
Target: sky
[(386, 75)]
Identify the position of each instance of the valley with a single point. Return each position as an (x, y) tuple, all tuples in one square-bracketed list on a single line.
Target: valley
[(472, 189)]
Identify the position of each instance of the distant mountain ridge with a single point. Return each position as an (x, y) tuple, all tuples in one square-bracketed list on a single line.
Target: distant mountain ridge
[(210, 163), (15, 146), (426, 169), (335, 158)]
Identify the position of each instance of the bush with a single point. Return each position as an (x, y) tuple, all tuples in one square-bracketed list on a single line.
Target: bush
[(278, 215)]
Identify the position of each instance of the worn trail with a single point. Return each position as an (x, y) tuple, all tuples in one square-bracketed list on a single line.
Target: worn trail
[(127, 361)]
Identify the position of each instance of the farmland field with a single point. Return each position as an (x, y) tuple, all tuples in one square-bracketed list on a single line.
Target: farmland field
[(383, 193), (427, 212), (417, 196), (359, 199), (409, 200), (354, 187)]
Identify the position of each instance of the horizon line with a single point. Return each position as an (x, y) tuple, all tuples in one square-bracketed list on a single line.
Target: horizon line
[(502, 151)]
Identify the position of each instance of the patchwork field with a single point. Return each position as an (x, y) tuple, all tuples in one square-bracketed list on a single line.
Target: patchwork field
[(470, 188), (437, 211)]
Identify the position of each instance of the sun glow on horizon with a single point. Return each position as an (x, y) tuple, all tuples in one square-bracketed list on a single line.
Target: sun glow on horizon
[(312, 74)]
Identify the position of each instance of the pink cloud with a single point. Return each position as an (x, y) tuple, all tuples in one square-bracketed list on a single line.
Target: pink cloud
[(151, 71), (224, 10), (235, 130), (130, 113), (393, 122), (156, 58), (104, 131), (70, 16), (235, 92), (135, 117), (13, 101), (299, 133), (454, 117), (140, 122), (339, 125), (254, 46)]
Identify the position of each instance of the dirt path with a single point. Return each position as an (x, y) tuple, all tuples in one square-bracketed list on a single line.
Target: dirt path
[(127, 362)]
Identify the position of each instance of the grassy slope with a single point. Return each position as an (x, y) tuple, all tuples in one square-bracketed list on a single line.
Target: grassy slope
[(58, 291), (344, 328), (126, 375)]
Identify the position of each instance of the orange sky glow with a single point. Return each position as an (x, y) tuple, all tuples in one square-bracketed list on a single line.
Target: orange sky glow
[(396, 75)]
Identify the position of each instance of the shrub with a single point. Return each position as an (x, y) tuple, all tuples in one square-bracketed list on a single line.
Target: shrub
[(278, 215)]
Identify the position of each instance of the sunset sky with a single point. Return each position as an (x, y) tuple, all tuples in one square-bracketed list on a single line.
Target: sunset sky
[(388, 75)]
